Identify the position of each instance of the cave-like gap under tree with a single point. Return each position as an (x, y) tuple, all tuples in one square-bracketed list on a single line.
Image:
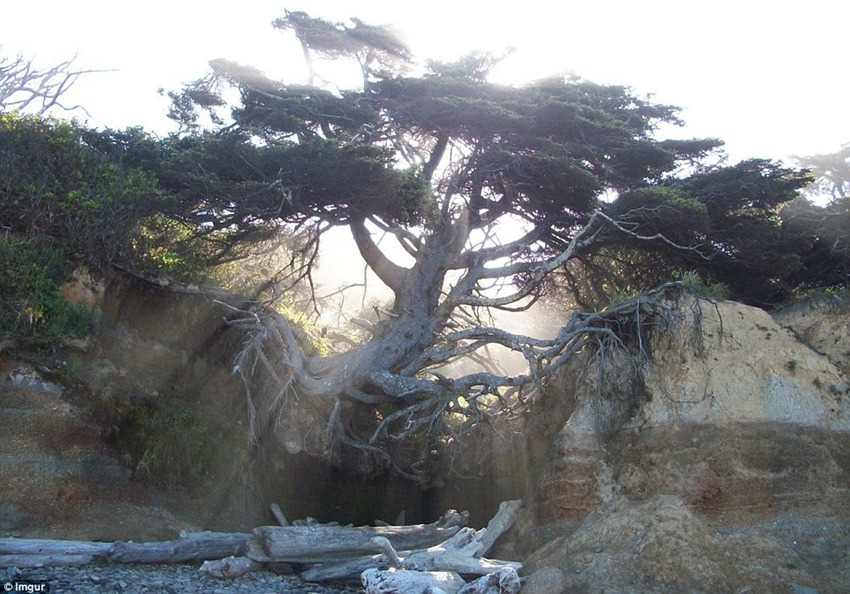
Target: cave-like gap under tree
[(443, 162)]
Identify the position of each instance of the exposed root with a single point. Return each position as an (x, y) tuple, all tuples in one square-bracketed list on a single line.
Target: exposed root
[(322, 406)]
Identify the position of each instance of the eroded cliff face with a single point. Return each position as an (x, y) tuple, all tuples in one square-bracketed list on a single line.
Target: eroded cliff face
[(734, 422), (162, 361), (824, 325), (728, 447)]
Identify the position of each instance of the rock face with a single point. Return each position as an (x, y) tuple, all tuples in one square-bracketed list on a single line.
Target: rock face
[(732, 421), (170, 346), (741, 367), (824, 325), (661, 545)]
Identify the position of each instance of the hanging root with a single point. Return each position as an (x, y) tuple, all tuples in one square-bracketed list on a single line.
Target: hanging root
[(419, 408)]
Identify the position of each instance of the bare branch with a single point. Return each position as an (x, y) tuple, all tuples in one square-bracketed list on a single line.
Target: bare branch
[(28, 89)]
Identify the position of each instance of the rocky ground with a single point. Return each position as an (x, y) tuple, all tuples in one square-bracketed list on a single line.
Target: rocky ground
[(158, 579)]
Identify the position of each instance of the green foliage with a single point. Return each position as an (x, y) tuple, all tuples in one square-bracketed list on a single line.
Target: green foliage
[(831, 173), (729, 216), (168, 443), (54, 185), (823, 232), (713, 291), (31, 308)]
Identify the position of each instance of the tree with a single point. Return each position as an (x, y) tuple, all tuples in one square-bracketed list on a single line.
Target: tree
[(831, 171), (29, 89), (489, 189), (823, 227)]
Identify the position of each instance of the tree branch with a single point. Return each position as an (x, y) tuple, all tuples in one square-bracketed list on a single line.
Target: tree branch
[(392, 275), (22, 85)]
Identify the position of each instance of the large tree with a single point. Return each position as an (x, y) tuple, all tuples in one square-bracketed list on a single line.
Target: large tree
[(489, 189)]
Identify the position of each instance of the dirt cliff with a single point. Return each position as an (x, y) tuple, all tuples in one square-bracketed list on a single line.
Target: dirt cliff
[(730, 472), (710, 454)]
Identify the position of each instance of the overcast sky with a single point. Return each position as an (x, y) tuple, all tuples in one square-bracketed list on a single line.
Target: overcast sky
[(769, 78)]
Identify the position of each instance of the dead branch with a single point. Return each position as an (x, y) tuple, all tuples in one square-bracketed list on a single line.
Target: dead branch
[(278, 515), (29, 89)]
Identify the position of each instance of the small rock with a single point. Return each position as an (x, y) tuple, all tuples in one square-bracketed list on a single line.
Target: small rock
[(13, 572), (549, 580)]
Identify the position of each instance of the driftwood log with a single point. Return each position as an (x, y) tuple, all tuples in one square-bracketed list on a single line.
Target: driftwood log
[(321, 543), (427, 558), (192, 547), (503, 581), (412, 582)]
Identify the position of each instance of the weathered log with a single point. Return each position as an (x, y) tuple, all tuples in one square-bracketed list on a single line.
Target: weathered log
[(22, 561), (502, 581), (198, 546), (230, 567), (389, 581), (34, 546), (499, 524), (315, 544)]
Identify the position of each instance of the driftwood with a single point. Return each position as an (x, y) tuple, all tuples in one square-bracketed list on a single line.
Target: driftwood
[(22, 561), (278, 515), (501, 581), (462, 553), (320, 543), (411, 582), (501, 523), (197, 546), (376, 581), (426, 558), (229, 568)]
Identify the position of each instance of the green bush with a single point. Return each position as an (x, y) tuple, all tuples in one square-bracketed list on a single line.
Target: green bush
[(31, 307), (706, 289), (57, 183)]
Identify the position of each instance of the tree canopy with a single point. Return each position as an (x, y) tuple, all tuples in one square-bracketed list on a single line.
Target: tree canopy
[(498, 195), (447, 163)]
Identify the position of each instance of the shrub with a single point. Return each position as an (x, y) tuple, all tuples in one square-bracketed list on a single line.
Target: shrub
[(706, 289), (31, 308)]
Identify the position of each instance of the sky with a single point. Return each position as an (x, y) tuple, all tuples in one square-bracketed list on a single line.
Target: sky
[(768, 78)]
